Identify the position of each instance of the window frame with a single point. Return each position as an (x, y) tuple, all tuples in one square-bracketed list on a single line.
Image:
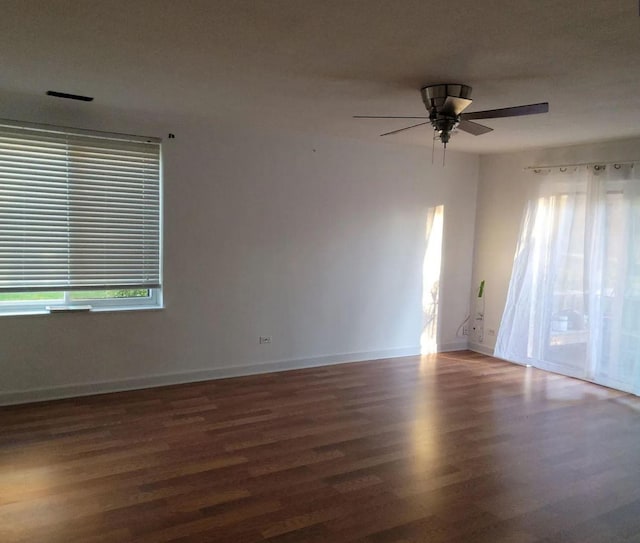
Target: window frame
[(92, 305)]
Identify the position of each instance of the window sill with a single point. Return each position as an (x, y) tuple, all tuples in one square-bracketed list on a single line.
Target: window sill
[(41, 311)]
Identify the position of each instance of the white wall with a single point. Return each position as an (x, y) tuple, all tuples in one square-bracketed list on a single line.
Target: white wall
[(315, 241), (503, 189)]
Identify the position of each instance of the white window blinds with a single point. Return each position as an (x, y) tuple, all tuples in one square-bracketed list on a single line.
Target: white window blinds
[(78, 210)]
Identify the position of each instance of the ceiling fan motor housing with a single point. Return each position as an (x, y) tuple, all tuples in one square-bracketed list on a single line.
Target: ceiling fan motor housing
[(434, 96)]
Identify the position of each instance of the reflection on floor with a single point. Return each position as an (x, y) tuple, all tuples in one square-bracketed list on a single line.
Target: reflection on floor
[(454, 447)]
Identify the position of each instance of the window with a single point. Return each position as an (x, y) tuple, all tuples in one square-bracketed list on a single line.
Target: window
[(80, 220)]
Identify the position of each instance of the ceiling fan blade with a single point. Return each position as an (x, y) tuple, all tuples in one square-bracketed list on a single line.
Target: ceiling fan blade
[(385, 117), (405, 128), (531, 109), (454, 105), (476, 129)]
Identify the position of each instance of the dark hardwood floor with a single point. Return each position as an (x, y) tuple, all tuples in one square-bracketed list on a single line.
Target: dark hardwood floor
[(456, 447)]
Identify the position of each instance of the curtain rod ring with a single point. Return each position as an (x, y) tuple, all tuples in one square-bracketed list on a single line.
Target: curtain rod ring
[(563, 169), (617, 166)]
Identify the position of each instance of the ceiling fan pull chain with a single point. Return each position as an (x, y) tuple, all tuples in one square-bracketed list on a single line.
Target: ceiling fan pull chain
[(433, 145)]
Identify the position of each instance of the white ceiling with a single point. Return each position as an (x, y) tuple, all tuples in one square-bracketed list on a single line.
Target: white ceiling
[(311, 65)]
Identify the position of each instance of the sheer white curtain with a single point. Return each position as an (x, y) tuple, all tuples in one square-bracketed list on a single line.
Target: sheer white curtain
[(574, 298)]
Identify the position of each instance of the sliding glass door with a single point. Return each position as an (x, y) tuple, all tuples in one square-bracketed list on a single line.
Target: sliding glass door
[(574, 297)]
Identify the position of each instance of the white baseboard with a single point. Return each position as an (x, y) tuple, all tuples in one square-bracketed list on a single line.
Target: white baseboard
[(459, 345), (87, 389), (479, 348)]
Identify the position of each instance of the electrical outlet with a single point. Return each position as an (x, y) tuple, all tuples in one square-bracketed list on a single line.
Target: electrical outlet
[(465, 330), (265, 340)]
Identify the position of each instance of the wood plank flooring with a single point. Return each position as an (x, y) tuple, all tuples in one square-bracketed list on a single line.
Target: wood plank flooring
[(455, 447)]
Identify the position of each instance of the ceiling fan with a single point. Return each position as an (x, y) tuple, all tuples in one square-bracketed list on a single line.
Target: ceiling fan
[(445, 104)]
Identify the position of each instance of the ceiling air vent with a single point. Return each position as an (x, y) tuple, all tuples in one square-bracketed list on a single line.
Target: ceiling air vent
[(70, 96)]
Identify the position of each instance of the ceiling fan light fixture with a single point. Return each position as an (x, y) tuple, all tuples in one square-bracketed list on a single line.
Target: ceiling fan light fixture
[(445, 103)]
